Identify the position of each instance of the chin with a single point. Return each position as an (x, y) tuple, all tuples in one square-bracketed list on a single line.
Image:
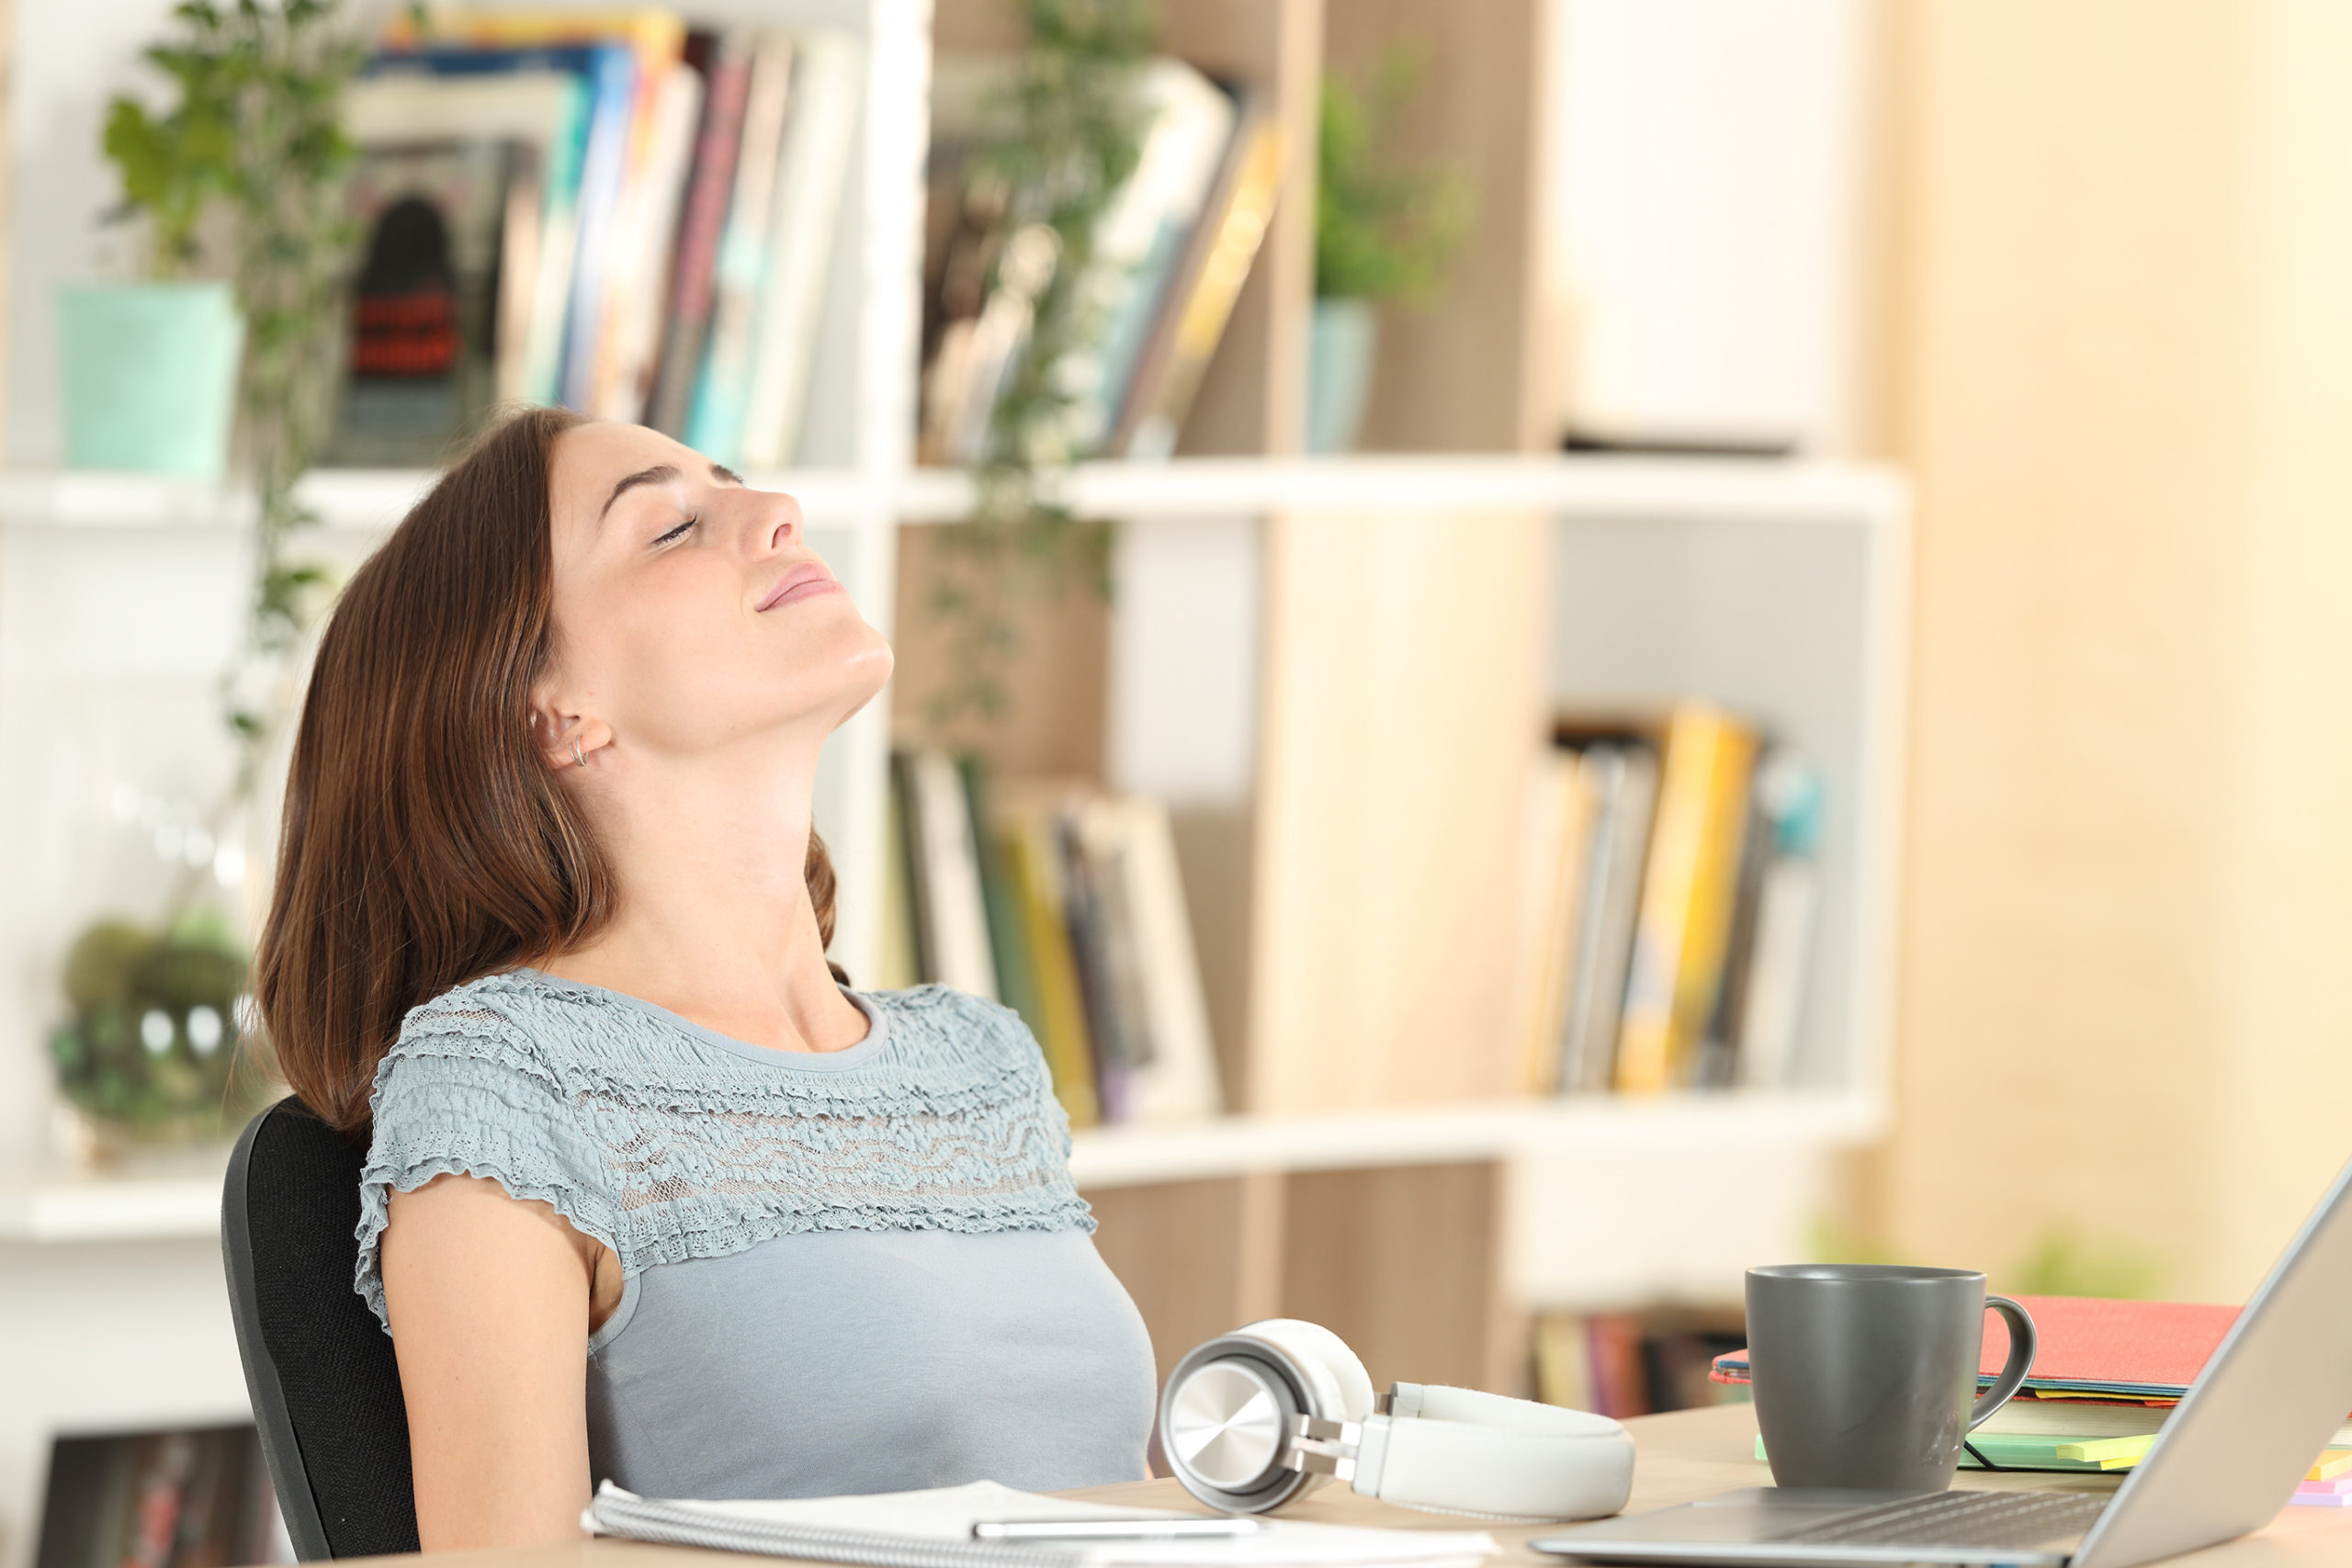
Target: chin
[(867, 670), (843, 672)]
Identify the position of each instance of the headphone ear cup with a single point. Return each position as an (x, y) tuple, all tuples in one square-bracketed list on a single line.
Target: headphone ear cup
[(1226, 1417), (1341, 1388)]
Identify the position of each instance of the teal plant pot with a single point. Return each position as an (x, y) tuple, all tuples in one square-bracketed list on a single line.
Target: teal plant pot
[(151, 376), (1344, 342)]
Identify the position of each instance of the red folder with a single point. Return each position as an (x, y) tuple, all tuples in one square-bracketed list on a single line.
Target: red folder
[(2150, 1351)]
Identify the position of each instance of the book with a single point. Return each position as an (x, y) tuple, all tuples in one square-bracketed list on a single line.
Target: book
[(637, 286), (2077, 1418), (1103, 950), (813, 163), (724, 58), (617, 161), (1718, 1062), (1685, 898), (1557, 839), (1563, 1344), (1032, 860), (544, 113), (1171, 1061), (901, 960), (1203, 290), (918, 892), (420, 361), (609, 73), (1779, 947), (1140, 237), (999, 897), (2004, 1451), (722, 385), (1623, 778), (950, 903), (1620, 1382), (984, 270)]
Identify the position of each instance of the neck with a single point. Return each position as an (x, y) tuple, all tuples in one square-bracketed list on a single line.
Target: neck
[(714, 919)]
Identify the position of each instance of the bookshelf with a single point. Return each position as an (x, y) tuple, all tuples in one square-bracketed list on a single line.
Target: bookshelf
[(1335, 670)]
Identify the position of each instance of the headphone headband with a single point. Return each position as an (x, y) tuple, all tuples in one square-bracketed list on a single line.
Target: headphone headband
[(1464, 1452)]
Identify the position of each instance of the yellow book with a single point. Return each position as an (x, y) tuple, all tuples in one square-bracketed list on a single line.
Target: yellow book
[(1564, 1361), (1033, 863), (2332, 1463), (1687, 894)]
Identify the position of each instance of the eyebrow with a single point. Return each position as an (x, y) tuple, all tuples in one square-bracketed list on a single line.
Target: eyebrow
[(662, 474)]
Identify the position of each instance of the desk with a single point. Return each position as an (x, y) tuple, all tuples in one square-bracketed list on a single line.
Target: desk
[(1688, 1454)]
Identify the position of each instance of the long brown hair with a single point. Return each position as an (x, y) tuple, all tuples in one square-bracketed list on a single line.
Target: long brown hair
[(426, 843)]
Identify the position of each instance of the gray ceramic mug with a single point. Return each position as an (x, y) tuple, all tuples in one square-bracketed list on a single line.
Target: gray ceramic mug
[(1863, 1373)]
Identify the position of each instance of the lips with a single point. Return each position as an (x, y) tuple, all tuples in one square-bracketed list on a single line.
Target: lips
[(803, 582)]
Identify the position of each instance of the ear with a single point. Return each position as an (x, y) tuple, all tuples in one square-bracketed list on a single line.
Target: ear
[(566, 740)]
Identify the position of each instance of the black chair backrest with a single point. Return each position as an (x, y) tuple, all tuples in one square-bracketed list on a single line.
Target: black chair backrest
[(326, 1391)]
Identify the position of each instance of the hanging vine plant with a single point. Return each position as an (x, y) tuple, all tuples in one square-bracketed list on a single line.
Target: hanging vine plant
[(151, 1040), (1077, 132)]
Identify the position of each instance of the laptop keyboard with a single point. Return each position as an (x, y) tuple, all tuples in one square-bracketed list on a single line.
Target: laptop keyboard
[(1960, 1519)]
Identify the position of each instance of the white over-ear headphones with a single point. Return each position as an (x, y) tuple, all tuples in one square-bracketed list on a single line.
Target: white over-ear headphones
[(1273, 1410)]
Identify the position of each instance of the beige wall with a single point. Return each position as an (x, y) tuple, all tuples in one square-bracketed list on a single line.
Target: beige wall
[(2119, 361)]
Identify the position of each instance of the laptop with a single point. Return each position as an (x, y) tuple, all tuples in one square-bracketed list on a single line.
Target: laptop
[(2225, 1462)]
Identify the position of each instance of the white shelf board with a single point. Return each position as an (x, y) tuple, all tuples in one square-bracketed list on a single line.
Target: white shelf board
[(1759, 489), (184, 1201), (1732, 489), (177, 1199), (1231, 1145), (359, 500)]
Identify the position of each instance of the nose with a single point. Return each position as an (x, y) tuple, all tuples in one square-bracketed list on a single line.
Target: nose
[(776, 522)]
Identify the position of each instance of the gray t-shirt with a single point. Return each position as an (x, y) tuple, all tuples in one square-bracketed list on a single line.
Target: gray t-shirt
[(858, 1270)]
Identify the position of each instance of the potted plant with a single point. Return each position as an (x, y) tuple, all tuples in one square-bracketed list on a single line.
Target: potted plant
[(253, 157), (151, 367), (1381, 232)]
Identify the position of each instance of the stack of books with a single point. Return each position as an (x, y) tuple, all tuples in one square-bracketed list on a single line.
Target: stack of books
[(609, 210), (599, 209), (1667, 907), (1065, 903), (1627, 1363), (1167, 260), (2106, 1375)]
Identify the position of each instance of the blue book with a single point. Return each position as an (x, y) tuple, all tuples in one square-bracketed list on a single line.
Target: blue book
[(609, 70)]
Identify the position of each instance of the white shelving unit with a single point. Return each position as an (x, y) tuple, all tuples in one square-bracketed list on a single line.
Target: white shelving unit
[(183, 1202), (1778, 586)]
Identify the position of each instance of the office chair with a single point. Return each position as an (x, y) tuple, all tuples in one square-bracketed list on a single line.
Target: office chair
[(325, 1390)]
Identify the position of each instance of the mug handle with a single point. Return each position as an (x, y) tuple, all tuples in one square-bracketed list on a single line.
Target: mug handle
[(2013, 1375)]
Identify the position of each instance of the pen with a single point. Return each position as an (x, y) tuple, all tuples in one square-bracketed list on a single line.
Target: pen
[(1178, 1526)]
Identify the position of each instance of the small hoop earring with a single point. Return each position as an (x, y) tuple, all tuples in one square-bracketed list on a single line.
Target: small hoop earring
[(578, 756)]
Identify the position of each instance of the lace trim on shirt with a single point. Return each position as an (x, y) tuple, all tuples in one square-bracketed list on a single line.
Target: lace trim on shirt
[(665, 1147)]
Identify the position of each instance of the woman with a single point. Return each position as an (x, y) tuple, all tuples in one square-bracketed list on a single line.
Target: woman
[(650, 1193)]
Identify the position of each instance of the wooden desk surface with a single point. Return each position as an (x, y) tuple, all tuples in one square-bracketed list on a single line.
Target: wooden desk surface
[(1687, 1455)]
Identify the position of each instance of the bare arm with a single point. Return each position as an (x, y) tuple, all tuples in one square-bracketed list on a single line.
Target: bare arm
[(490, 1300)]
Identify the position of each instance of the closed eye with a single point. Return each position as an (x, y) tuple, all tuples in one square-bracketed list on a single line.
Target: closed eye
[(680, 532)]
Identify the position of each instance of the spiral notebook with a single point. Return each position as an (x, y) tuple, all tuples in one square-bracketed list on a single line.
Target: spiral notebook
[(933, 1529)]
